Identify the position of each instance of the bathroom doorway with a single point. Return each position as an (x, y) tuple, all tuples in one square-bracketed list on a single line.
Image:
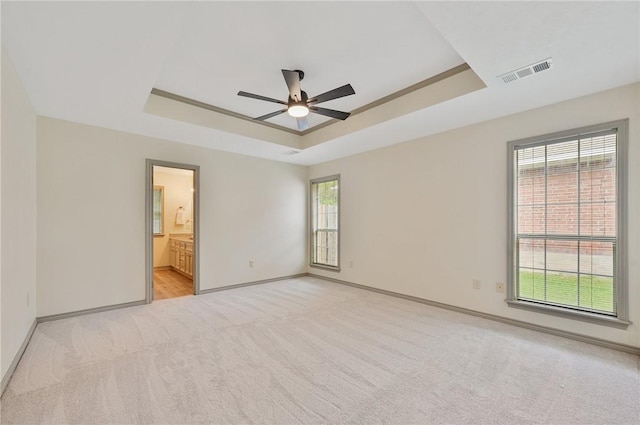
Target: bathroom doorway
[(172, 203)]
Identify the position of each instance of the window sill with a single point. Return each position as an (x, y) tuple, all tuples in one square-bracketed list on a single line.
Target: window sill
[(583, 316), (325, 267)]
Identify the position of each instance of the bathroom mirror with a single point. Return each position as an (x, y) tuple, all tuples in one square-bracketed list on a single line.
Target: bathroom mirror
[(158, 210)]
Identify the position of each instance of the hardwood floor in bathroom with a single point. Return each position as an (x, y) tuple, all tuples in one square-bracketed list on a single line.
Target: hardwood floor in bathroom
[(170, 284)]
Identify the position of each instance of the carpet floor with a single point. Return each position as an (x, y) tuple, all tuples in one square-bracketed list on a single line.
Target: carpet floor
[(312, 352)]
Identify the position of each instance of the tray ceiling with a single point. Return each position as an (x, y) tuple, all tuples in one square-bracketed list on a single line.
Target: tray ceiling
[(379, 48), (97, 63)]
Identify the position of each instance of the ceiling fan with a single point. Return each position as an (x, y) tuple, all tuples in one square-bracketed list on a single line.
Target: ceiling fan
[(299, 105)]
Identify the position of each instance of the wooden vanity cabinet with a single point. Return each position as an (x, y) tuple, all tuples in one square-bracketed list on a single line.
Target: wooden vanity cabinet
[(181, 254)]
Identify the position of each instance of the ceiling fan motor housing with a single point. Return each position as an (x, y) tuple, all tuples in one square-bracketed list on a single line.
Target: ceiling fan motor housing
[(303, 101)]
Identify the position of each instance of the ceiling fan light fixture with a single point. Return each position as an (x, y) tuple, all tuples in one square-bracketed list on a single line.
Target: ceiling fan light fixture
[(299, 105), (298, 110)]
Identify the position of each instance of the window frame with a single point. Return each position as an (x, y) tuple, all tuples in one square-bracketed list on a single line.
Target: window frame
[(620, 320), (312, 223), (160, 190)]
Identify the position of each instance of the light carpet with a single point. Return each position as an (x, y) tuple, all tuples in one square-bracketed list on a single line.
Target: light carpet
[(312, 352)]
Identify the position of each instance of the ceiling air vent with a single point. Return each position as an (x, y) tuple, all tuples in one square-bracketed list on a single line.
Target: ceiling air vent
[(526, 71), (291, 152)]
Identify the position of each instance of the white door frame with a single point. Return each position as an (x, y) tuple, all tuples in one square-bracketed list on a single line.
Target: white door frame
[(149, 224)]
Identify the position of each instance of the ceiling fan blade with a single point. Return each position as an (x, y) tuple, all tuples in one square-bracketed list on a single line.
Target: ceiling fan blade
[(257, 96), (292, 79), (330, 113), (271, 115), (343, 91), (303, 123)]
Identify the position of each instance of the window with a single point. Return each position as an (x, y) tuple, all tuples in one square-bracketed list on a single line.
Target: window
[(325, 216), (158, 210), (567, 221)]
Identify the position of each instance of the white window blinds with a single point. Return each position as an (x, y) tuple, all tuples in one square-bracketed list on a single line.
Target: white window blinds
[(565, 222)]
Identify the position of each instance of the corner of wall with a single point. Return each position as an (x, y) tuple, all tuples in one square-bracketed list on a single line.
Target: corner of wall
[(17, 218)]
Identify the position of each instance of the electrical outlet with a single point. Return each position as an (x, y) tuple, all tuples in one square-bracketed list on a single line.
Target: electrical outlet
[(476, 283), (499, 287), (252, 263)]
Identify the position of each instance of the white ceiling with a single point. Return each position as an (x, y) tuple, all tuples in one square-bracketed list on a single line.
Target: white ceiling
[(96, 62), (379, 48)]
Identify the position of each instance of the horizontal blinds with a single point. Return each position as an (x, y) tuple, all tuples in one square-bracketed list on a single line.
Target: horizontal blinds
[(566, 222)]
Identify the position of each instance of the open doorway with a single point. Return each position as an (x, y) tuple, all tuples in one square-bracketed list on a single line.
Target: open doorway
[(171, 230)]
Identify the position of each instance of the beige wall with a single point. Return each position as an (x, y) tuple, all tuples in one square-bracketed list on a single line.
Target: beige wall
[(90, 221), (18, 215), (177, 193), (91, 215), (432, 252)]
